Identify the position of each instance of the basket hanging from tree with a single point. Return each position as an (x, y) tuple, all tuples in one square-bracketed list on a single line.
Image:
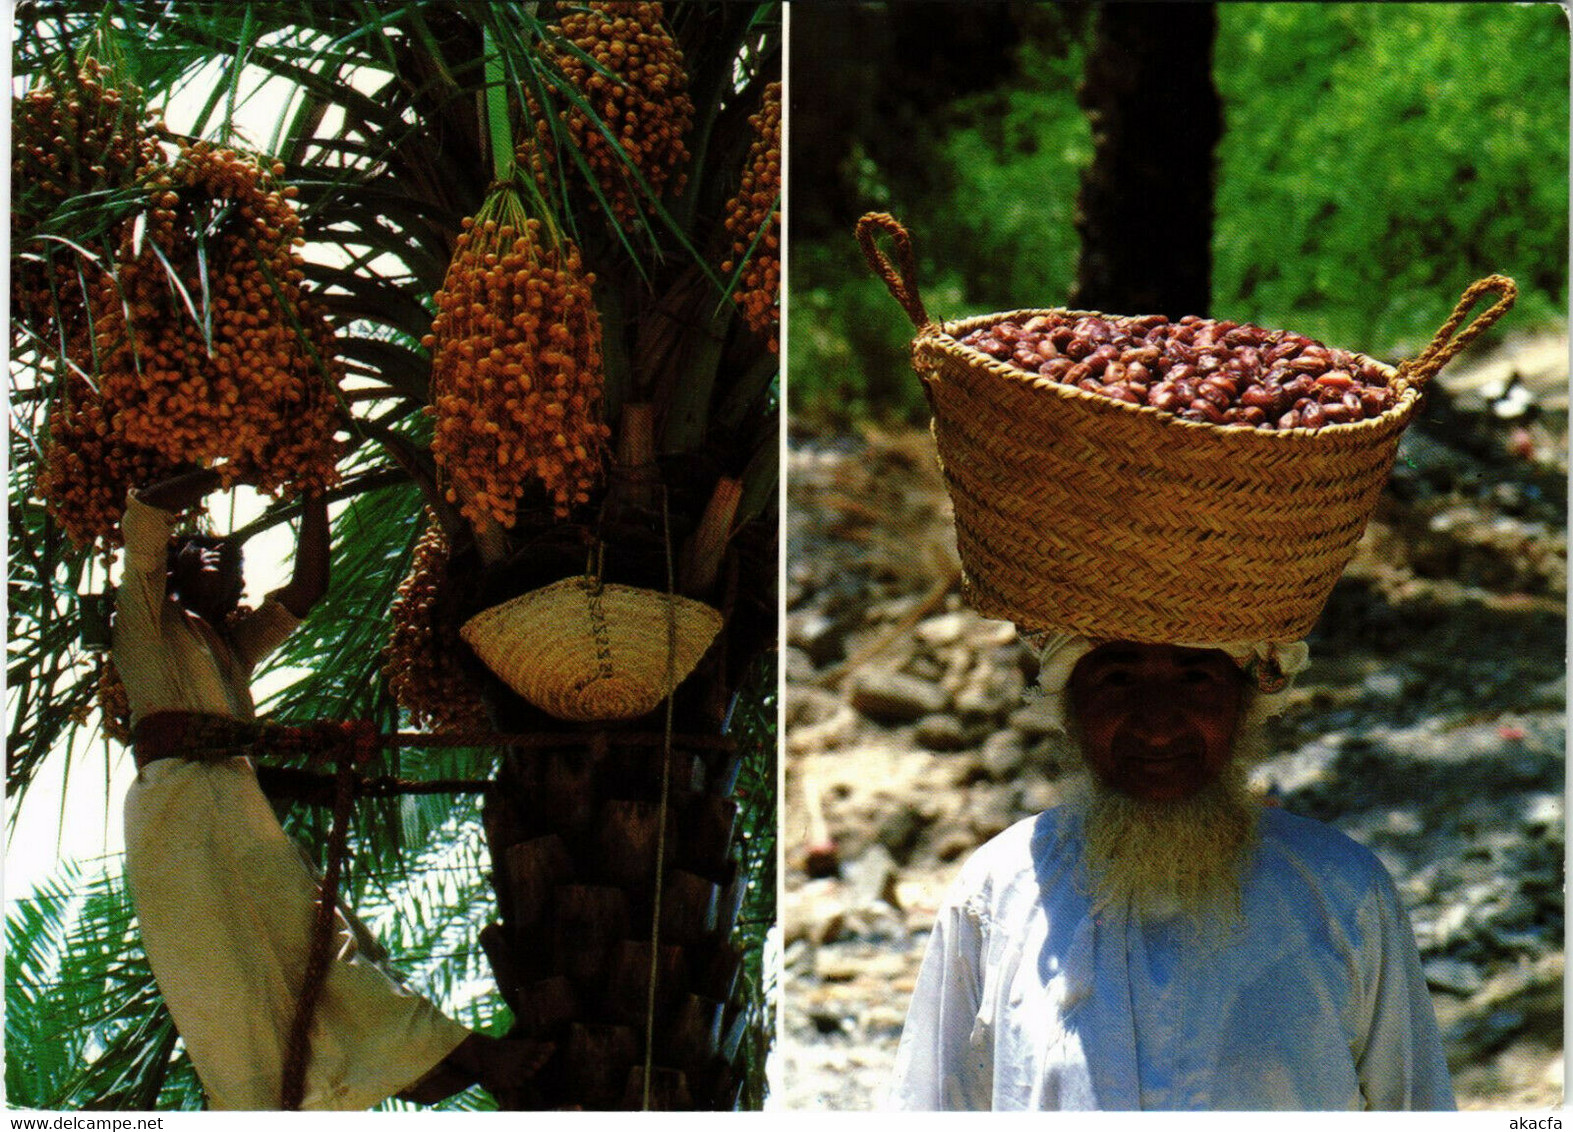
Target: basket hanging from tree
[(583, 650)]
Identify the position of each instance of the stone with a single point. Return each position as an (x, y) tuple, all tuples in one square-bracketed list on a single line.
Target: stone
[(1401, 823), (885, 1019), (894, 697), (946, 629), (998, 634), (827, 1022), (941, 733), (1479, 1035), (800, 668), (1003, 754), (814, 913), (1508, 911), (1031, 721), (998, 676), (1038, 795), (1548, 694), (954, 843), (816, 634), (1554, 1073), (798, 956), (982, 695), (870, 878), (900, 830), (1454, 976), (808, 706), (877, 923), (1450, 924), (1384, 685), (822, 859), (836, 965), (825, 735), (1542, 812), (994, 809)]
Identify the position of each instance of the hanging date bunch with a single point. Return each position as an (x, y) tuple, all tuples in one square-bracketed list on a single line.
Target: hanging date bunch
[(88, 464), (423, 668), (517, 375), (114, 704), (82, 130), (753, 220), (209, 349), (638, 88)]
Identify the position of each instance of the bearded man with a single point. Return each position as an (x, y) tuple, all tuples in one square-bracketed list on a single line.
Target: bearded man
[(1165, 941)]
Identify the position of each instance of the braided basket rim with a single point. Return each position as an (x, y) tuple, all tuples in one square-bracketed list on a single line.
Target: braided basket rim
[(947, 335)]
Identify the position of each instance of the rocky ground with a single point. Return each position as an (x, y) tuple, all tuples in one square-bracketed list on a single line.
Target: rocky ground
[(1430, 727)]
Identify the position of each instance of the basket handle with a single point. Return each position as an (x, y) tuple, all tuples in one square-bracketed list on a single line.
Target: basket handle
[(900, 275), (1444, 346)]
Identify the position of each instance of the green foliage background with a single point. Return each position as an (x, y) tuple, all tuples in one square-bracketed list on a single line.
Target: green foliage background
[(1377, 159)]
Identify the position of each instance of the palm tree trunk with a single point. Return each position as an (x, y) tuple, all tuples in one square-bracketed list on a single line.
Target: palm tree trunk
[(1145, 213), (574, 823)]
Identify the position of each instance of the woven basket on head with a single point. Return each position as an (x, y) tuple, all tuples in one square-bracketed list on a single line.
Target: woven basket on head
[(581, 650), (1080, 513)]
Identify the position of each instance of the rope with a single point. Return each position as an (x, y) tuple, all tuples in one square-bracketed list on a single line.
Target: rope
[(387, 786), (666, 790), (900, 275), (1440, 351), (356, 744), (297, 784), (553, 739), (223, 737)]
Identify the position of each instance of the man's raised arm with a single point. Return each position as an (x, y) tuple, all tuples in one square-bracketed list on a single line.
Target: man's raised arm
[(310, 580), (181, 491)]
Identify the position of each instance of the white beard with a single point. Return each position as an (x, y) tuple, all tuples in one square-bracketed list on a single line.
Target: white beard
[(1185, 856)]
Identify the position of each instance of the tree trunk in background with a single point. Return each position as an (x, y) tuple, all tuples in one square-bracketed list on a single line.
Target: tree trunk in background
[(573, 829), (1146, 207)]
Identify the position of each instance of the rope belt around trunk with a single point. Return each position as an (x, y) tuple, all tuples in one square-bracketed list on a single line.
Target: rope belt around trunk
[(210, 738), (193, 735)]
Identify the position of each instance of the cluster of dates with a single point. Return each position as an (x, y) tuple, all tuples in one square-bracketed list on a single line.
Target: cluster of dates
[(1199, 369)]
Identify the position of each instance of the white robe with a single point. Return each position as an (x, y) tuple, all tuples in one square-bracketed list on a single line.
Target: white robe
[(1026, 1002), (223, 897)]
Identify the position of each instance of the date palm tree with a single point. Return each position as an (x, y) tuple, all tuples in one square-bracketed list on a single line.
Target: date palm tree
[(392, 122)]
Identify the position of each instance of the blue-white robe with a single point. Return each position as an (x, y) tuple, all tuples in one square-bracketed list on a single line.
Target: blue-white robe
[(1025, 1001)]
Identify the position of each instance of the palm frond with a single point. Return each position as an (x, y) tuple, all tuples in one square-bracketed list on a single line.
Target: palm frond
[(754, 719), (85, 1026)]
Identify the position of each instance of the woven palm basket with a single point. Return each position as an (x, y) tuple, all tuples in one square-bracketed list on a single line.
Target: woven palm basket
[(1079, 513), (584, 651)]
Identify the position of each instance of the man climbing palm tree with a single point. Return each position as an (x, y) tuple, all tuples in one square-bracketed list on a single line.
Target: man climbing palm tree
[(224, 897)]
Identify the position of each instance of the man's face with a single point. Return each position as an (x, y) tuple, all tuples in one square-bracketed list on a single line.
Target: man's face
[(1157, 722), (209, 579)]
